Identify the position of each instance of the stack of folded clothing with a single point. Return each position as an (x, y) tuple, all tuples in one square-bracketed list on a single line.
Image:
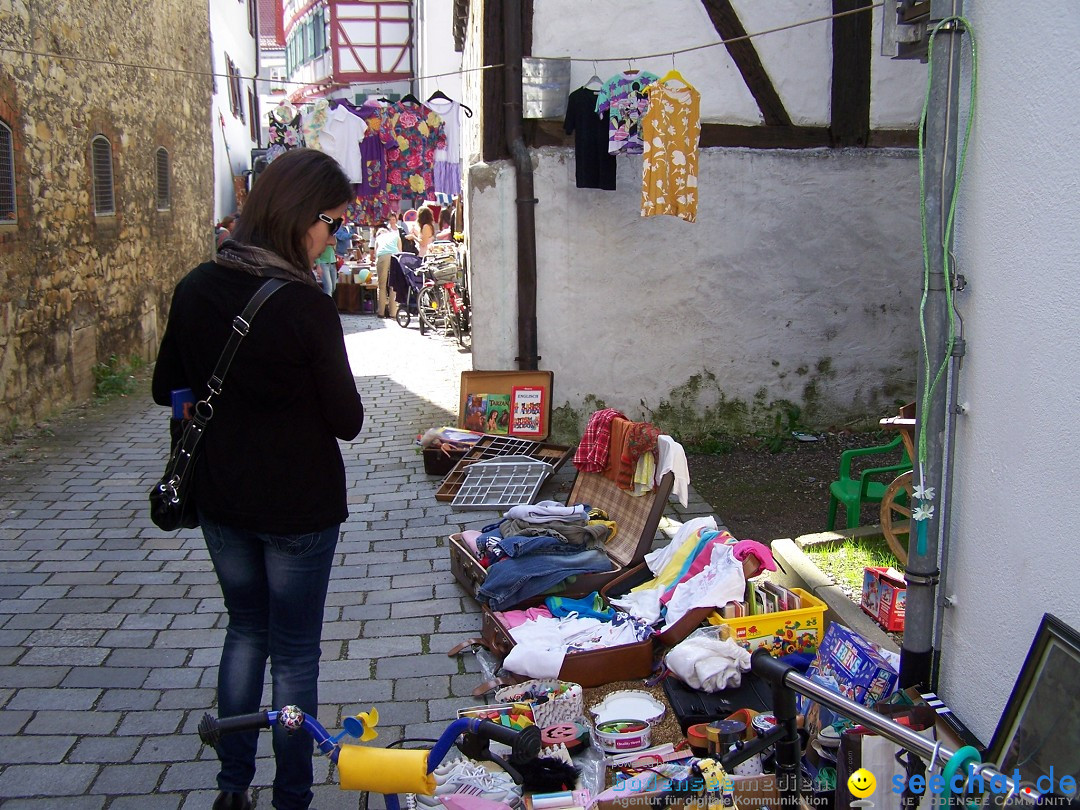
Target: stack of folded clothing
[(536, 547)]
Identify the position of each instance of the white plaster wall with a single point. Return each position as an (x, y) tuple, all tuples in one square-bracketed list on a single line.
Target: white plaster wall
[(800, 261), (229, 35), (435, 49), (798, 60), (1014, 549)]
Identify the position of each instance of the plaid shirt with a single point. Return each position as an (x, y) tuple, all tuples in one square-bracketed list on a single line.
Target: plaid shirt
[(592, 453)]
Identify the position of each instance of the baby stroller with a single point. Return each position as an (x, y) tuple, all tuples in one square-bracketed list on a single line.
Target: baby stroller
[(406, 279)]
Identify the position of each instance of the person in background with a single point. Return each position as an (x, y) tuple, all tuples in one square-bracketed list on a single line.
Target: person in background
[(344, 238), (223, 229), (326, 269), (425, 222), (407, 231), (387, 243), (269, 483), (444, 225)]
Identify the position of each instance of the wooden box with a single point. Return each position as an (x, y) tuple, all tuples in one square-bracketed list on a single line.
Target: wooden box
[(474, 383)]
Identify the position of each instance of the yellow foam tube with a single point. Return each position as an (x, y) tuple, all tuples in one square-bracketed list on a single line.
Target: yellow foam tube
[(385, 770)]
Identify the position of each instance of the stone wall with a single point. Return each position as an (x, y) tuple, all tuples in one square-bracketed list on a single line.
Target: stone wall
[(76, 288)]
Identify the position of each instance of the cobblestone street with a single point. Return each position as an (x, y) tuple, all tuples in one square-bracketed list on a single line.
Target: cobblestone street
[(110, 629)]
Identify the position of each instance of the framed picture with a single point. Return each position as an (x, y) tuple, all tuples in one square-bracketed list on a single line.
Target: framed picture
[(527, 411), (1039, 732)]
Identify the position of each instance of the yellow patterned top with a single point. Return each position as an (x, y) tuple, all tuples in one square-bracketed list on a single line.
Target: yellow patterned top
[(669, 132)]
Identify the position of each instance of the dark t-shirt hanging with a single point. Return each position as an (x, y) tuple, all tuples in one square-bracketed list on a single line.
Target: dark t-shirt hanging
[(595, 167)]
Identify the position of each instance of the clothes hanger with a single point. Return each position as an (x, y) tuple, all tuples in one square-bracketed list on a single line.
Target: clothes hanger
[(439, 94), (673, 75), (410, 97), (594, 78)]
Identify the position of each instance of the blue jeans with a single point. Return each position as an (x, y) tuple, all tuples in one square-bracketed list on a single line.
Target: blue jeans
[(515, 579), (274, 587)]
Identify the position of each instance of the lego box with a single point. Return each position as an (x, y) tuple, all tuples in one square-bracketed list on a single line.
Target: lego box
[(851, 666), (884, 597)]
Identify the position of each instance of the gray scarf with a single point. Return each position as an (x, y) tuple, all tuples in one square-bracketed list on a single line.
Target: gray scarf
[(260, 262)]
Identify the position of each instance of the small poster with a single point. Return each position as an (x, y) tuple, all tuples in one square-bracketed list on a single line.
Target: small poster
[(527, 411)]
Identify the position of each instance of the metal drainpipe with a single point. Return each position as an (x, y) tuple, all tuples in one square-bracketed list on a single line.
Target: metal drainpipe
[(527, 358), (920, 653)]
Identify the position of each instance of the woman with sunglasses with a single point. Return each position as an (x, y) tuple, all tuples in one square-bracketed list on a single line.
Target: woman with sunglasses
[(270, 482)]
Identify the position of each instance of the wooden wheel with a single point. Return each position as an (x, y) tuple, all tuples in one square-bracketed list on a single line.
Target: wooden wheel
[(896, 517)]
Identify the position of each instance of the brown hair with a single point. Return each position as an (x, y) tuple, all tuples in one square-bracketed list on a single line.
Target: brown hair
[(286, 201), (425, 217)]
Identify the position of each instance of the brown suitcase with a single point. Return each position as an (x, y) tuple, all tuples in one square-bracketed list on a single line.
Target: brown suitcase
[(636, 520), (626, 662)]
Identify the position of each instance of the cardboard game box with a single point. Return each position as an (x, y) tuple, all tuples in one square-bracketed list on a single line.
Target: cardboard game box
[(884, 597), (851, 666)]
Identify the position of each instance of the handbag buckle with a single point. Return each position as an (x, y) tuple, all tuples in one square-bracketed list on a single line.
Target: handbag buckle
[(241, 326)]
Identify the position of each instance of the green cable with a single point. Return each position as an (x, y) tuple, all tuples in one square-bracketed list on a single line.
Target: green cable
[(928, 384), (968, 755)]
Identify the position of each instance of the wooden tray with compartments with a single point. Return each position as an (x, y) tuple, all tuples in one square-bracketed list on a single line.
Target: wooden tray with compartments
[(493, 446)]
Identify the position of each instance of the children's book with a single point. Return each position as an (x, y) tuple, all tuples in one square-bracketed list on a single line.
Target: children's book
[(475, 407), (527, 411), (497, 414)]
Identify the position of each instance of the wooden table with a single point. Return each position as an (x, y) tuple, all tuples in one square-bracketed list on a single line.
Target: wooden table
[(350, 298)]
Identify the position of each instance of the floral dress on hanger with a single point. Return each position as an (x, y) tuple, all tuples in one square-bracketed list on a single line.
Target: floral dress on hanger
[(670, 131), (410, 171), (284, 135)]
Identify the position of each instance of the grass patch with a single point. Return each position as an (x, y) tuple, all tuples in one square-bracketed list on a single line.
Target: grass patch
[(844, 561), (116, 378)]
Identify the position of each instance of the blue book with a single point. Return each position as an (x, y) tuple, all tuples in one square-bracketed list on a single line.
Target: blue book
[(183, 403)]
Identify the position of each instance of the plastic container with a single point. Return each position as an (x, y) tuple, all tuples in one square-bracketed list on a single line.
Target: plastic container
[(623, 735), (783, 632)]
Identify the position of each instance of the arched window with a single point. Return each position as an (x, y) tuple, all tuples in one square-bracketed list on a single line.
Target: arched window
[(101, 156), (7, 174), (164, 184)]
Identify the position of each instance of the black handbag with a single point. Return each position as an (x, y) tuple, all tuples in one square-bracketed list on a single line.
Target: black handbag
[(172, 506)]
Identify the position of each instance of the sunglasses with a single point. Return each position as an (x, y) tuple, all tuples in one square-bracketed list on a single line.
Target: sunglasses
[(335, 224)]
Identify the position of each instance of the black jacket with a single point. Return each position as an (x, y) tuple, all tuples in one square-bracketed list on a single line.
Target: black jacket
[(270, 460)]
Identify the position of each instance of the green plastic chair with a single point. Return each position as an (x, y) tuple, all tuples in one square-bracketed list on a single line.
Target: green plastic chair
[(854, 492)]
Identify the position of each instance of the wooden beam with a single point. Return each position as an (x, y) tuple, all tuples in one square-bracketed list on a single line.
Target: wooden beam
[(745, 56), (851, 74), (763, 137), (549, 132), (494, 115), (890, 138)]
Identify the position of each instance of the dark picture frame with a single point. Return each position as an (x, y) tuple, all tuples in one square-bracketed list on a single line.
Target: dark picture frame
[(1040, 727)]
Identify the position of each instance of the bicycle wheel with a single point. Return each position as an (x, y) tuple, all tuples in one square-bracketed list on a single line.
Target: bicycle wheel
[(430, 309)]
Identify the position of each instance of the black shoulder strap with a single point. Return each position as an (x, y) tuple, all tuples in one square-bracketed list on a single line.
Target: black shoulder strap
[(241, 324), (204, 411)]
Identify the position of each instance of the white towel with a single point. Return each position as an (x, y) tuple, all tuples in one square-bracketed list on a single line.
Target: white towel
[(671, 457)]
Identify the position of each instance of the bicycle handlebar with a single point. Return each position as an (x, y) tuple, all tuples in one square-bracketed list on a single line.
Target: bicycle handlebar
[(525, 744), (212, 729)]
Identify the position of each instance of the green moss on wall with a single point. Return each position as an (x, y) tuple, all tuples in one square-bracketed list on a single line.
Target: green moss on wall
[(700, 414)]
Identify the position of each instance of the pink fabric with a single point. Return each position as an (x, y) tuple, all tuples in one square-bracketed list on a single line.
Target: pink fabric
[(512, 618), (745, 548), (466, 801), (469, 537)]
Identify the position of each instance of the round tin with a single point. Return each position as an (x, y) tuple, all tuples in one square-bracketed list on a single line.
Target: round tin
[(623, 735)]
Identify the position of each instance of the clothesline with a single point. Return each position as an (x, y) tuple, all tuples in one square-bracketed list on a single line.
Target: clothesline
[(458, 72), (741, 38)]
